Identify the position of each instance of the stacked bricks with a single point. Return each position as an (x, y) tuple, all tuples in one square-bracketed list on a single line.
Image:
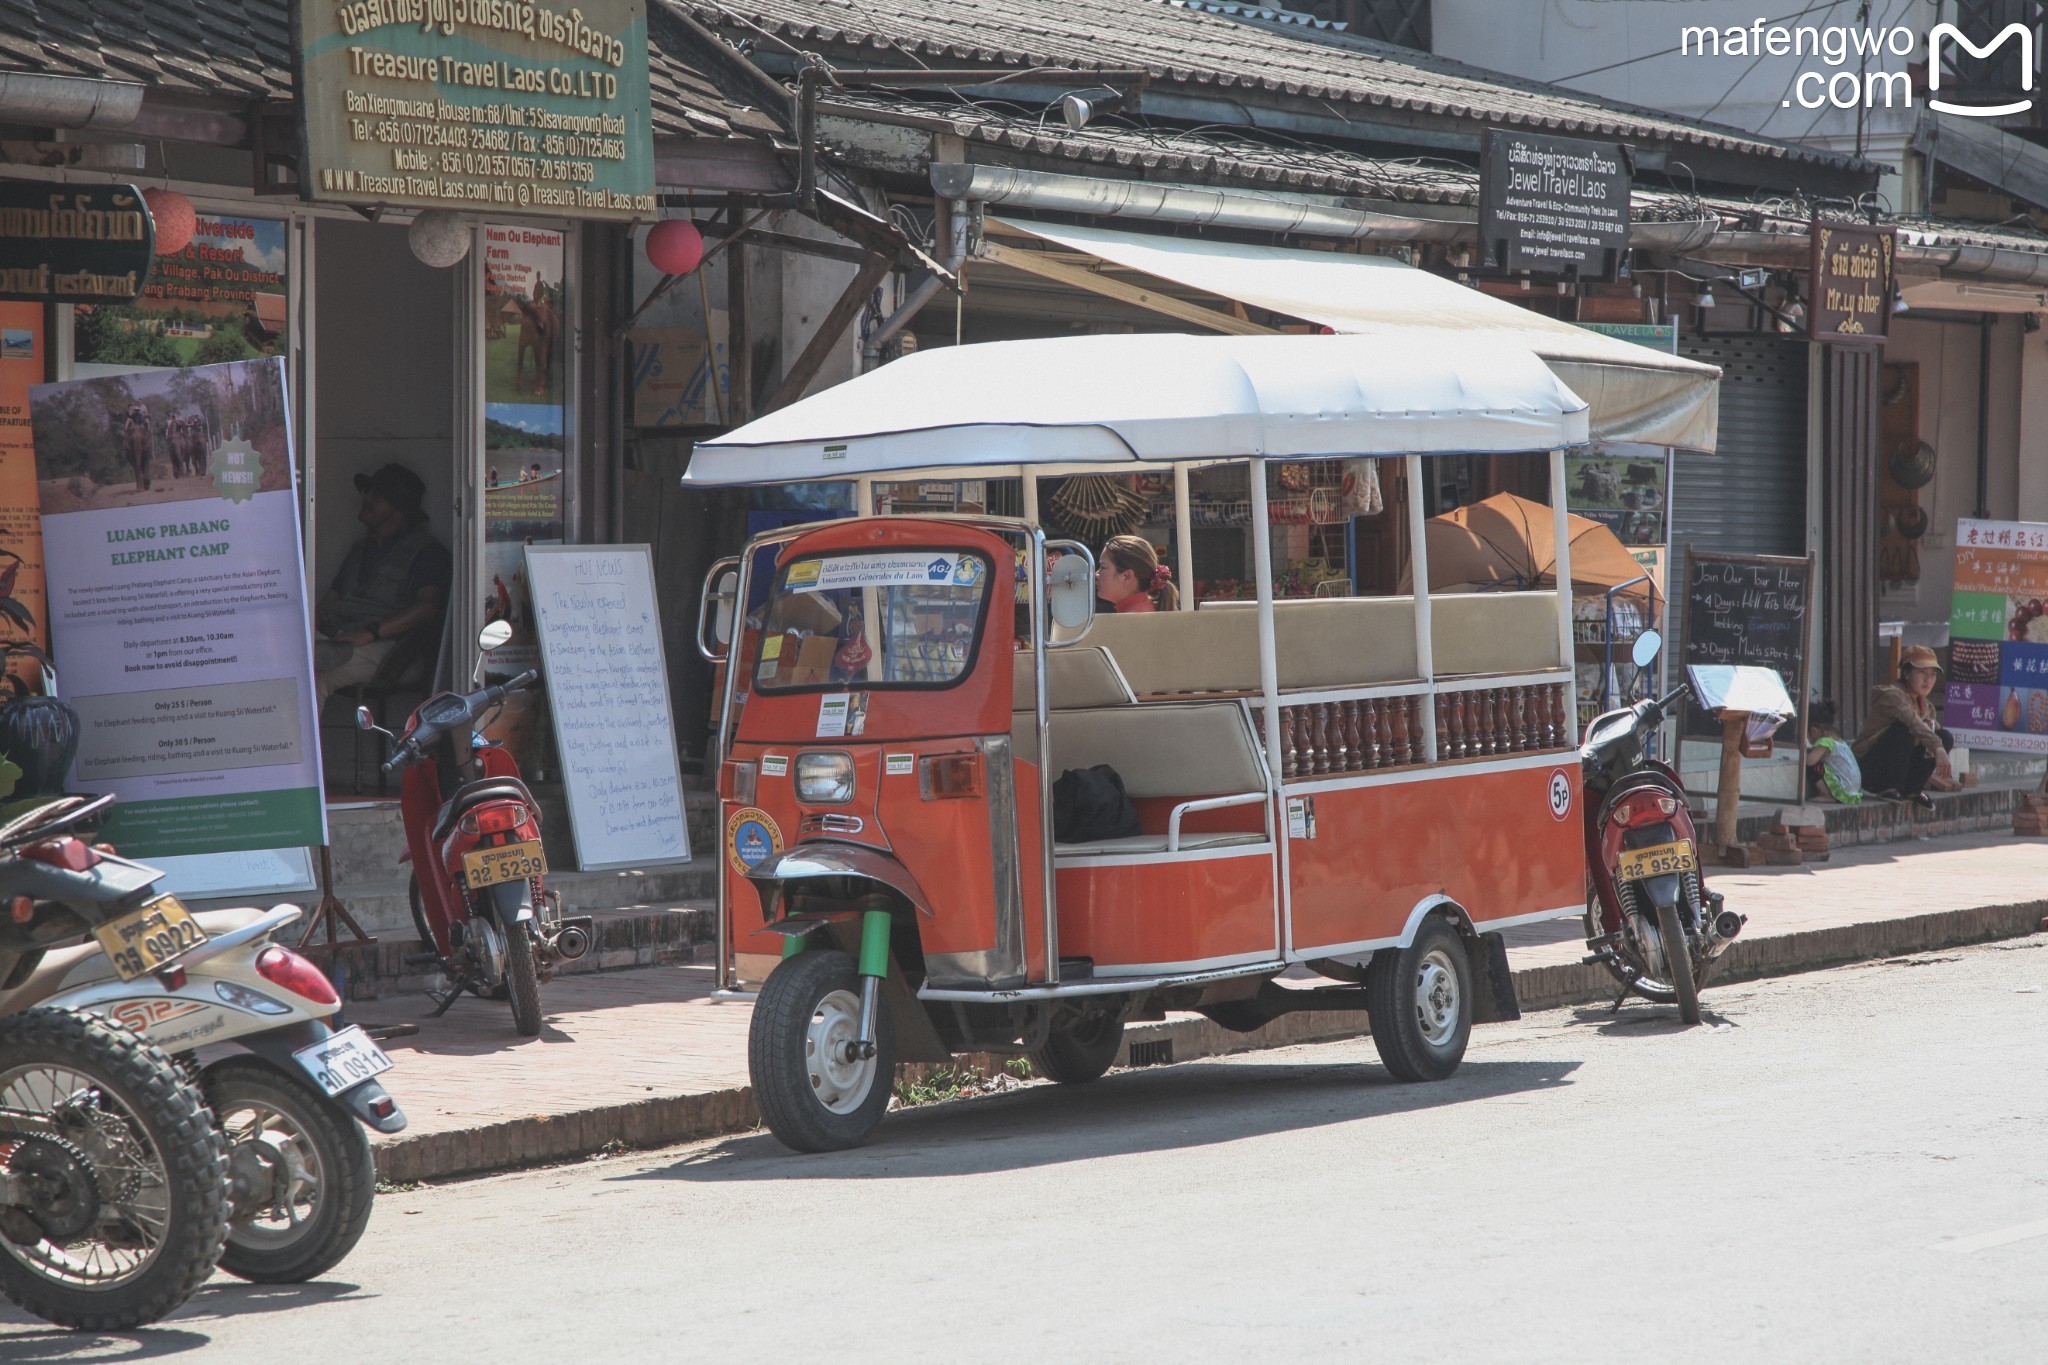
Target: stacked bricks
[(1808, 827), (2030, 813), (1780, 847)]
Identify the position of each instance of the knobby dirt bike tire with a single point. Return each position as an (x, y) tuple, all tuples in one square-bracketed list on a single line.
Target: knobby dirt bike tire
[(170, 1109)]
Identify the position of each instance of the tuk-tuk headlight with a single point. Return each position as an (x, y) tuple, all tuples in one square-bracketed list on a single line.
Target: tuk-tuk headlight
[(824, 779)]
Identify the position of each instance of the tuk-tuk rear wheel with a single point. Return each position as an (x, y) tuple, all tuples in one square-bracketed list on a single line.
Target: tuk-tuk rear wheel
[(1420, 1001), (814, 1091)]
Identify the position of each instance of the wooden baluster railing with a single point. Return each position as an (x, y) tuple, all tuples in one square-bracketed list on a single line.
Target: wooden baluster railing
[(1287, 741), (1518, 718), (1400, 752), (1412, 709), (1375, 716), (1354, 741), (1319, 737)]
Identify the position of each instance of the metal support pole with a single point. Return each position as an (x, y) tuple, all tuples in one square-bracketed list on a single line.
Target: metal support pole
[(1269, 685), (1425, 639), (1183, 537), (1041, 642), (1560, 530)]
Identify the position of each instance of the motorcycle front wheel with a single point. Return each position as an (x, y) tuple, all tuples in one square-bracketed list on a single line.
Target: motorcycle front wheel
[(124, 1174), (300, 1175), (1678, 963)]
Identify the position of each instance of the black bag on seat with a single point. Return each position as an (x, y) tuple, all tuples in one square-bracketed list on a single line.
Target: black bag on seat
[(1089, 804)]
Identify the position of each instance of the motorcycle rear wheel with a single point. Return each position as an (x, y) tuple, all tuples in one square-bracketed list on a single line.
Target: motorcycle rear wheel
[(522, 981), (1678, 962), (292, 1160), (157, 1164)]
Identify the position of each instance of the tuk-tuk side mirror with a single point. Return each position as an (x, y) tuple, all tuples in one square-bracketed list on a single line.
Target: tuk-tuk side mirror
[(717, 608), (1070, 591), (365, 720), (1647, 646), (496, 635)]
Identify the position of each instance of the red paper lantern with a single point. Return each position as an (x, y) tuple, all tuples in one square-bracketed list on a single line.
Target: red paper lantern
[(674, 246), (175, 220)]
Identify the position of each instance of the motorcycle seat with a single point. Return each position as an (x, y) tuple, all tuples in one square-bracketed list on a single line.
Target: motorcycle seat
[(49, 975), (491, 789)]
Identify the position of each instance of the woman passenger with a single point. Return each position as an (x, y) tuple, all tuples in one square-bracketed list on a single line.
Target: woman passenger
[(1129, 576)]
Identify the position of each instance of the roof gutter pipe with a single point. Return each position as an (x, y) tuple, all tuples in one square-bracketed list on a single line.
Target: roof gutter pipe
[(1242, 209), (67, 101), (959, 223)]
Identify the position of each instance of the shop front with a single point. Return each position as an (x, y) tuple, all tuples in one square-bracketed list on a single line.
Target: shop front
[(447, 323)]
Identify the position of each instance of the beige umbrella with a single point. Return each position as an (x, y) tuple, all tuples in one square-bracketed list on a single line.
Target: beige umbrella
[(1505, 542)]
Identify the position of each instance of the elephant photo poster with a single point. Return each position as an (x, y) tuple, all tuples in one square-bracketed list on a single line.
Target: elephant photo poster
[(178, 605)]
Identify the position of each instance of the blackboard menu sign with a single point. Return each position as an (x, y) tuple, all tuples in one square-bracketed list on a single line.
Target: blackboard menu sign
[(1748, 609)]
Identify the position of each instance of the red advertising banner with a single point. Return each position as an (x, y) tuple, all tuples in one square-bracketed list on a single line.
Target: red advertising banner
[(23, 358)]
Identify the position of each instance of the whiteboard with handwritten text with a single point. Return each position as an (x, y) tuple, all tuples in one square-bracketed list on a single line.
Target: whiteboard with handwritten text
[(600, 640)]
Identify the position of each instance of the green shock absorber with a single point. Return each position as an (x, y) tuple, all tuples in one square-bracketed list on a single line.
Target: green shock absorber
[(874, 968)]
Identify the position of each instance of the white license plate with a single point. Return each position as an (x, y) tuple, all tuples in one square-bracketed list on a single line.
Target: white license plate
[(347, 1059)]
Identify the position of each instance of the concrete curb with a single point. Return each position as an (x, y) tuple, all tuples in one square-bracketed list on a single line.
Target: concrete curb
[(670, 1119)]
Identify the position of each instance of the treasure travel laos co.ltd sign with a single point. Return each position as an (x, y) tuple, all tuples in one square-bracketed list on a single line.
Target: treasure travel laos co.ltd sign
[(477, 104)]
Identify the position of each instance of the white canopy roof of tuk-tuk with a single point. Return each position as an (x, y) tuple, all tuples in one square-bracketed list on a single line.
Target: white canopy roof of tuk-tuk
[(1636, 393), (1157, 399)]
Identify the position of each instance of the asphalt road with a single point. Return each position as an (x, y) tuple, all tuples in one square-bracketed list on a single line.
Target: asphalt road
[(1848, 1165)]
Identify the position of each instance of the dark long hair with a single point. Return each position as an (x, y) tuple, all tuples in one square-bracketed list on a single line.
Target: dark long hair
[(1135, 555)]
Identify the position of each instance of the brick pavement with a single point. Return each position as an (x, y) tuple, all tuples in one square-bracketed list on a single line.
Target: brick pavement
[(646, 1057)]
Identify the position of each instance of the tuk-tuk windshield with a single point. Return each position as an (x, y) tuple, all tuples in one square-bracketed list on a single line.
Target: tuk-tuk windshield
[(872, 618)]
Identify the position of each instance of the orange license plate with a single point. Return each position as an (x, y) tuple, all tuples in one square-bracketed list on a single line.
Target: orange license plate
[(505, 863)]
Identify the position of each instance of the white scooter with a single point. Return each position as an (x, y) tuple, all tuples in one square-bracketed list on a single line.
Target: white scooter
[(287, 1095)]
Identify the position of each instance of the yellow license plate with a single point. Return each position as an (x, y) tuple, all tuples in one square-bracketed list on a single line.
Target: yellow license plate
[(505, 863), (150, 939), (1658, 860)]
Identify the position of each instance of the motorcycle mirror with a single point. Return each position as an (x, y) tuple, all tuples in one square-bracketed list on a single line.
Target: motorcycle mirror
[(726, 594), (1647, 646), (1070, 595), (364, 720), (494, 636)]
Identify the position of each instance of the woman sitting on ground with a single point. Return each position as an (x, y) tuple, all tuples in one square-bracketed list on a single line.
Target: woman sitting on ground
[(1902, 750), (1129, 576)]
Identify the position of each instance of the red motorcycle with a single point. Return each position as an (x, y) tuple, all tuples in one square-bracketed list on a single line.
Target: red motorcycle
[(472, 833), (1649, 919)]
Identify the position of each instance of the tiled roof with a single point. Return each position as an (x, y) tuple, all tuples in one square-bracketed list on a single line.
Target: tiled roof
[(1212, 157), (241, 49), (1201, 52)]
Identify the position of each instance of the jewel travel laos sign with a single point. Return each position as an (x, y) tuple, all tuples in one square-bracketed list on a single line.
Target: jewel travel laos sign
[(476, 105), (73, 243), (1553, 205)]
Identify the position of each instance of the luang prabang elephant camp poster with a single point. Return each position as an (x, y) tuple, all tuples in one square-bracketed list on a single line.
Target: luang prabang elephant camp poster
[(178, 605)]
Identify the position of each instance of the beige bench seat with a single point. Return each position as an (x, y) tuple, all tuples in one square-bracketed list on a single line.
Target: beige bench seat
[(1183, 751), (1328, 642)]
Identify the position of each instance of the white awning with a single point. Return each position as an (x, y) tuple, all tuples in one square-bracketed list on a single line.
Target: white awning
[(1636, 394), (1139, 399)]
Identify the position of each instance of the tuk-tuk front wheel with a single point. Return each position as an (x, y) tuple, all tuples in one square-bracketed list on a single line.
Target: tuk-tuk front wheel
[(1419, 999), (817, 1088)]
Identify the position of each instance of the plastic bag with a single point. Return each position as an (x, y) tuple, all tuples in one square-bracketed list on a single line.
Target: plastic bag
[(1839, 771)]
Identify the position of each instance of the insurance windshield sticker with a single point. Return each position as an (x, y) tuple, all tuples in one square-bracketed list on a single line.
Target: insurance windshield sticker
[(899, 765), (832, 709), (899, 568), (775, 765)]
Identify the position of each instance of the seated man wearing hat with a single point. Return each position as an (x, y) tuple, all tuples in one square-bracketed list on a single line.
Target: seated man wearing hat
[(393, 582), (1902, 750)]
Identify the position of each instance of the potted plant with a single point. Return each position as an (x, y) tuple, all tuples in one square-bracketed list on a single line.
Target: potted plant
[(38, 733)]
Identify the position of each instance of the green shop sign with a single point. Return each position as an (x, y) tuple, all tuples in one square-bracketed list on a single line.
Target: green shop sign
[(476, 105), (73, 243)]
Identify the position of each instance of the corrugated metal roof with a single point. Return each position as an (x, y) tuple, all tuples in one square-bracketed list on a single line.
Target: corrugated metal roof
[(1200, 52), (241, 49)]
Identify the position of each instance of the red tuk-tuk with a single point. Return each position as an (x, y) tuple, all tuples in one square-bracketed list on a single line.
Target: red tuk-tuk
[(1373, 786)]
